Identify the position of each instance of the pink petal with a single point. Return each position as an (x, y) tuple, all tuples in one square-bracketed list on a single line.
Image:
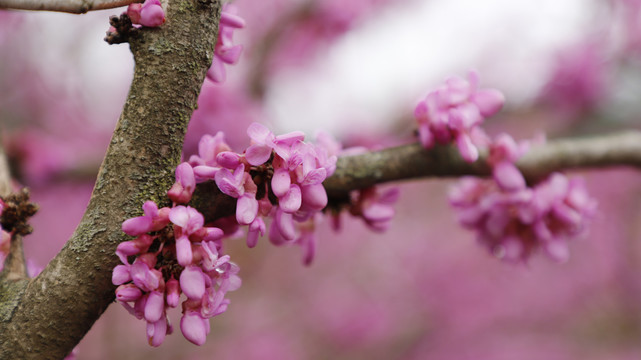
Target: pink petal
[(128, 292), (256, 228), (246, 209), (230, 55), (137, 225), (281, 181), (258, 154), (194, 327), (508, 177), (152, 15), (216, 72), (192, 282), (156, 332), (292, 200), (259, 133), (314, 197), (183, 251), (489, 101), (285, 224), (231, 20), (206, 172), (228, 159), (173, 292), (468, 151), (120, 275), (155, 306)]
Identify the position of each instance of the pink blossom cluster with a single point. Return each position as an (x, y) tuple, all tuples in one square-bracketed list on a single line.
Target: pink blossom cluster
[(454, 113), (149, 14), (5, 240), (276, 176), (512, 219), (173, 253), (226, 52)]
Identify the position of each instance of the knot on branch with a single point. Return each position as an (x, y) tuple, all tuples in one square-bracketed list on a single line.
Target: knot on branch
[(121, 29), (16, 211)]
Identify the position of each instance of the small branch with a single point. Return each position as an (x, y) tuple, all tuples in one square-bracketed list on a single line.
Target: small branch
[(68, 6), (413, 161), (5, 174)]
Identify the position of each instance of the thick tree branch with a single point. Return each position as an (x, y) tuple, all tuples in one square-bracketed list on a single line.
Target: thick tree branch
[(46, 317), (68, 6)]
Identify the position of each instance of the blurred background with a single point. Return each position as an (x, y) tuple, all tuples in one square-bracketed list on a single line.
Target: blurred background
[(422, 290)]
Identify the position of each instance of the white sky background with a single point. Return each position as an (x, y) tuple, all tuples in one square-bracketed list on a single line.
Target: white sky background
[(367, 77), (373, 72)]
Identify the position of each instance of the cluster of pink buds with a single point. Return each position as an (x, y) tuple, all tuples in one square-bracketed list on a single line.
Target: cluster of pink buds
[(226, 52), (173, 253), (5, 240), (149, 13), (514, 220), (454, 112), (278, 176)]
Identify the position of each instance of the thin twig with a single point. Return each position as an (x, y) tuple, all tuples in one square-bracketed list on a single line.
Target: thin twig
[(67, 6)]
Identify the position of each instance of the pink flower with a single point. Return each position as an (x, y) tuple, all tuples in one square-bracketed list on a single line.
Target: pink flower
[(264, 141), (579, 79), (376, 209), (194, 327), (185, 184), (514, 222), (157, 331), (225, 52), (149, 14), (454, 111), (153, 220), (192, 282)]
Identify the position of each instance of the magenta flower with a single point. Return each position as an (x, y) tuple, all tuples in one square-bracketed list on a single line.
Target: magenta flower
[(225, 52), (194, 327), (127, 293), (185, 184), (173, 292), (149, 14), (153, 220), (157, 331), (579, 80), (264, 141), (376, 209), (515, 222), (232, 184), (454, 111)]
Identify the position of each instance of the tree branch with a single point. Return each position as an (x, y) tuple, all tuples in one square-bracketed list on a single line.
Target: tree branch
[(413, 161), (68, 6), (47, 316)]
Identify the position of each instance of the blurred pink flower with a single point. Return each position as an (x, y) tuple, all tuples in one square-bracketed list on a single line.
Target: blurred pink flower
[(579, 79), (453, 113)]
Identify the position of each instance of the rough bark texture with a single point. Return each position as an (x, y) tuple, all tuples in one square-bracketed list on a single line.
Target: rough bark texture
[(46, 317)]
